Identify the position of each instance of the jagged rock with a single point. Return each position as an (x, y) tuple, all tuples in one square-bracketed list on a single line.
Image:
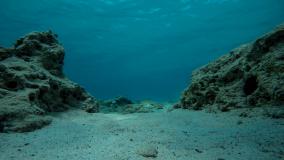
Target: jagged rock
[(32, 84), (42, 48), (251, 75)]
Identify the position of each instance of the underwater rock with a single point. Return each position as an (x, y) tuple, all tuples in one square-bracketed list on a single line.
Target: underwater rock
[(5, 53), (29, 123), (148, 151), (32, 84), (143, 107), (125, 106), (120, 101), (249, 76)]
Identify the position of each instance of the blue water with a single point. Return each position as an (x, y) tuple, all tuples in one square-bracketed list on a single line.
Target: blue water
[(143, 49)]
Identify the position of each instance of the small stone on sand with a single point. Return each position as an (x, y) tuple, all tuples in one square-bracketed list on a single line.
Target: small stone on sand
[(148, 151)]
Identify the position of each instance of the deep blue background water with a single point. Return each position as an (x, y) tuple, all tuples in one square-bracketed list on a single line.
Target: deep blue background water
[(143, 49)]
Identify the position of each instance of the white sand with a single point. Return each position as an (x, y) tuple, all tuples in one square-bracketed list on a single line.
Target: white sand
[(177, 135)]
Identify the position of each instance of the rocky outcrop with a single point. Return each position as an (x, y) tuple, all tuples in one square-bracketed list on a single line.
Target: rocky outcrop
[(249, 76), (32, 84)]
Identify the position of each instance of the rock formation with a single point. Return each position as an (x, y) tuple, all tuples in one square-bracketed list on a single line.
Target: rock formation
[(32, 84), (249, 76)]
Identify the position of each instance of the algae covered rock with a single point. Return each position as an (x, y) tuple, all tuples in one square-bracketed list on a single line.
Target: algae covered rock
[(249, 76), (32, 84)]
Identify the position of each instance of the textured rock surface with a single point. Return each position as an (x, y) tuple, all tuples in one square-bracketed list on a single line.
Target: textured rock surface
[(251, 75), (32, 84)]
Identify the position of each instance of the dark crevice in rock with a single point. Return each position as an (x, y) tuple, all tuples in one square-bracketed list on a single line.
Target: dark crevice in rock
[(12, 85), (32, 97), (1, 127), (250, 85)]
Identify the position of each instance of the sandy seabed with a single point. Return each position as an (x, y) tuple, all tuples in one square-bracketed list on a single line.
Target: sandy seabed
[(176, 135)]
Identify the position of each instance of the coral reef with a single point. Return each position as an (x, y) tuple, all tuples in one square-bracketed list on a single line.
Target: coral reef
[(249, 76), (32, 84)]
